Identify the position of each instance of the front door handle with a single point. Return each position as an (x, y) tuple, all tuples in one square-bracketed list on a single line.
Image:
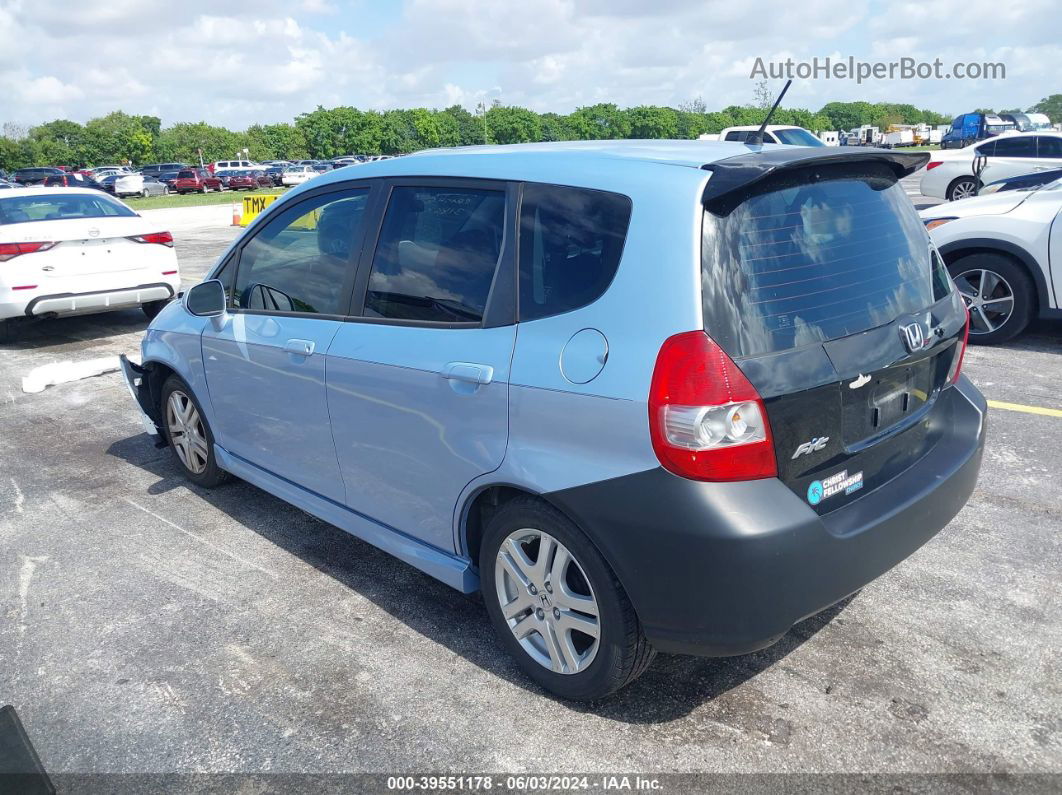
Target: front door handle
[(299, 347), (469, 372)]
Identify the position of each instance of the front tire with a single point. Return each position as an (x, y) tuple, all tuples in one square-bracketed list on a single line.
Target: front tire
[(557, 606), (189, 435), (998, 293)]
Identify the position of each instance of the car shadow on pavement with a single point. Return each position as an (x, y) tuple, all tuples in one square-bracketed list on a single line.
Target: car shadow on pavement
[(77, 331), (672, 687)]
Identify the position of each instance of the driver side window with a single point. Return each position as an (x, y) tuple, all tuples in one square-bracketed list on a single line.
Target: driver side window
[(302, 259)]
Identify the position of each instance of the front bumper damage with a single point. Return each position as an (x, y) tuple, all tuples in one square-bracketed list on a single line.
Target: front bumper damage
[(136, 379)]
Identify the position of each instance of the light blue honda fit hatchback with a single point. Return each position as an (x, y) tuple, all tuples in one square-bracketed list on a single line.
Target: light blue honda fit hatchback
[(642, 395)]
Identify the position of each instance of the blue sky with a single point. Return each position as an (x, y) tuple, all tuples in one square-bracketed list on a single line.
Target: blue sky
[(237, 62)]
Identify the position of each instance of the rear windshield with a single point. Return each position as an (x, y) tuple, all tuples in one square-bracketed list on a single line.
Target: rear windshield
[(54, 207), (818, 256), (186, 175)]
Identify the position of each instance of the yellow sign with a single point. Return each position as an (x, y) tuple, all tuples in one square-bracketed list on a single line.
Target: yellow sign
[(253, 205)]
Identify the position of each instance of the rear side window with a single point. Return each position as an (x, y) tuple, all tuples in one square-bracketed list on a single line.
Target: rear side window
[(301, 260), (822, 255), (1018, 146), (571, 240), (437, 255), (1048, 146)]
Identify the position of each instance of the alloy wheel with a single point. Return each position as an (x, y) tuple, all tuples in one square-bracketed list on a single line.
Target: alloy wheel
[(989, 298), (547, 601), (964, 190), (186, 432)]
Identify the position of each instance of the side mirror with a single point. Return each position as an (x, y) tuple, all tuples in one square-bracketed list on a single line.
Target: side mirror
[(206, 299)]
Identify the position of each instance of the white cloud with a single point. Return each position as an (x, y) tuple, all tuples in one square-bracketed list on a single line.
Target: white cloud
[(244, 61)]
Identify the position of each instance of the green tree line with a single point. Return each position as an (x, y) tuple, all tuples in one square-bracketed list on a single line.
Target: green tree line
[(329, 132)]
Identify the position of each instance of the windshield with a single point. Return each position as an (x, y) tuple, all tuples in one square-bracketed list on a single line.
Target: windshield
[(807, 262), (797, 138), (58, 207)]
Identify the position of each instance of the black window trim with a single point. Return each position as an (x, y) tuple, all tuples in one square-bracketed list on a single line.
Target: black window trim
[(369, 222), (500, 309)]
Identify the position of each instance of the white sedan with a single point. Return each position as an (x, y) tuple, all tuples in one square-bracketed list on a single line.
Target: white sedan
[(950, 173), (296, 175), (139, 185), (1004, 253), (77, 251)]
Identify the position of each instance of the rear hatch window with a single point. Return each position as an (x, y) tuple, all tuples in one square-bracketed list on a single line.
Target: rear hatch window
[(822, 284)]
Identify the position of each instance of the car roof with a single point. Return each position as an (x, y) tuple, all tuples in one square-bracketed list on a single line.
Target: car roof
[(561, 162), (56, 191)]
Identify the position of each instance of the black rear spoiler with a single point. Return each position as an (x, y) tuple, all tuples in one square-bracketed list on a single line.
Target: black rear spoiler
[(744, 171)]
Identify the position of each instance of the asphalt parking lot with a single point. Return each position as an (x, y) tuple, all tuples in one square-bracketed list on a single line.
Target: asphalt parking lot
[(151, 626)]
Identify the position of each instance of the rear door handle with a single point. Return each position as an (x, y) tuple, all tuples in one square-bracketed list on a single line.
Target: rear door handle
[(469, 372), (299, 347)]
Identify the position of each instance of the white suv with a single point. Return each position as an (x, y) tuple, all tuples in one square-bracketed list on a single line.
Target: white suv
[(228, 165), (1004, 251), (951, 174)]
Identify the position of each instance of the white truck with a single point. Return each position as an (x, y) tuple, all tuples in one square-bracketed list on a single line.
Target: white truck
[(773, 134)]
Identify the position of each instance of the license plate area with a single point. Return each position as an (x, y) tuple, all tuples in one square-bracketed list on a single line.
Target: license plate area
[(891, 399)]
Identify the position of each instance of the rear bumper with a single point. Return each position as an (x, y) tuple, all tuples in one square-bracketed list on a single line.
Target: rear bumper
[(718, 569), (100, 301)]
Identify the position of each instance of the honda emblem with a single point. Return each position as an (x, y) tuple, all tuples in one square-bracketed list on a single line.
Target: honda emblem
[(913, 336)]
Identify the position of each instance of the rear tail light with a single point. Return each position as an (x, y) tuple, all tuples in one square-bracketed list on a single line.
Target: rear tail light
[(933, 164), (161, 238), (707, 422), (12, 250), (960, 352)]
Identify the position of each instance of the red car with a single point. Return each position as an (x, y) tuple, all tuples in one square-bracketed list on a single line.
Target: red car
[(238, 180), (264, 180), (192, 180)]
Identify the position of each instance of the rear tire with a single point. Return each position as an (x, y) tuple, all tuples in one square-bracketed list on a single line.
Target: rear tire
[(963, 188), (189, 435), (990, 285), (565, 590)]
